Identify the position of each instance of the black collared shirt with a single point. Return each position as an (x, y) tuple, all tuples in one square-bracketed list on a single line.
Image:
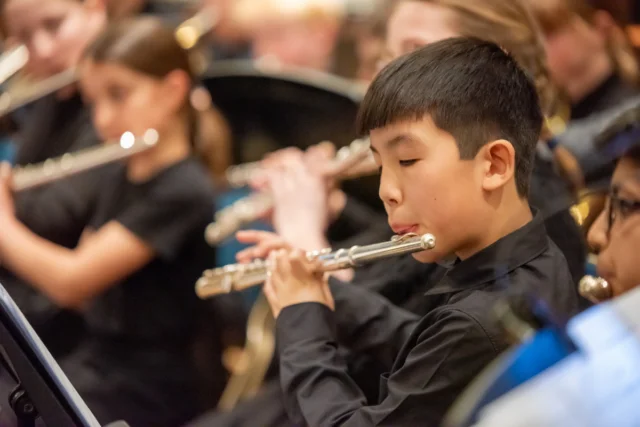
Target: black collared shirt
[(432, 358)]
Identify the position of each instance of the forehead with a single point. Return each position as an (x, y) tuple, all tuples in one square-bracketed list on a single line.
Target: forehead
[(407, 133), (94, 74), (420, 21), (32, 11)]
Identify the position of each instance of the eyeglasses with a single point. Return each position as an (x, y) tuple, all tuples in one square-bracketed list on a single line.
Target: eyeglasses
[(618, 207)]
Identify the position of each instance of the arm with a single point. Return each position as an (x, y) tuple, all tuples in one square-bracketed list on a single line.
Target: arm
[(72, 277), (155, 224), (60, 211), (368, 323), (449, 351)]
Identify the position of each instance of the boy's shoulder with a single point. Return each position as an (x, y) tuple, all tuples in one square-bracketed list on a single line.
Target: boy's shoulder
[(546, 277)]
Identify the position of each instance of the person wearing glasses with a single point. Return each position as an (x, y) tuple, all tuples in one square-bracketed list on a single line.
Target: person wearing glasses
[(615, 235)]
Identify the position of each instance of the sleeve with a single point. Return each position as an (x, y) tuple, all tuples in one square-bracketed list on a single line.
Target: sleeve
[(359, 224), (398, 279), (60, 211), (166, 220), (450, 351), (369, 323)]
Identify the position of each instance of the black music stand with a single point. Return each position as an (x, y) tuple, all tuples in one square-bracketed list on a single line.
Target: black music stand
[(33, 389), (269, 109)]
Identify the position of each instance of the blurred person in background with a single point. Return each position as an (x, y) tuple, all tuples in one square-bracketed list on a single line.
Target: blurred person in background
[(55, 32), (294, 34), (615, 235), (133, 270), (230, 37), (592, 61), (403, 281), (590, 56)]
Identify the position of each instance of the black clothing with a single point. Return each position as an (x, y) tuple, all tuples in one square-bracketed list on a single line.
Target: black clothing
[(431, 358), (59, 211), (589, 118), (136, 363), (54, 127), (403, 281), (266, 409), (609, 94)]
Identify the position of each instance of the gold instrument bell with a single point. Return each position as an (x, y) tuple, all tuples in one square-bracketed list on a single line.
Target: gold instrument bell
[(595, 289)]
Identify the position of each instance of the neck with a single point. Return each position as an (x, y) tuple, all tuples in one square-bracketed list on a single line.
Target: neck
[(173, 147), (505, 219)]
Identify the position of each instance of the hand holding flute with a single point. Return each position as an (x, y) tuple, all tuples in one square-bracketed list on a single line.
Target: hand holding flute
[(259, 205), (291, 276)]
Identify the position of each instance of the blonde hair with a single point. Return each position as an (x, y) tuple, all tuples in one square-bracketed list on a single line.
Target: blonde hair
[(512, 25), (554, 15)]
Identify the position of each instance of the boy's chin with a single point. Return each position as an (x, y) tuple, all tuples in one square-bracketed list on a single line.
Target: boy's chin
[(425, 257), (433, 257)]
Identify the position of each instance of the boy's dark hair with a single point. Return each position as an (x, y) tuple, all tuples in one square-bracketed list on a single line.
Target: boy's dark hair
[(470, 88)]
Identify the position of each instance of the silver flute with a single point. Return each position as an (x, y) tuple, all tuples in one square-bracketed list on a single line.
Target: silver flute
[(230, 219), (241, 175), (31, 176), (236, 277), (595, 289)]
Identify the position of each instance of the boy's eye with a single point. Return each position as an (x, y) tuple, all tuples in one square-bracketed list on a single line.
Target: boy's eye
[(407, 162)]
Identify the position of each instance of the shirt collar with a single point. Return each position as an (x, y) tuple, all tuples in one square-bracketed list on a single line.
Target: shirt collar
[(497, 260)]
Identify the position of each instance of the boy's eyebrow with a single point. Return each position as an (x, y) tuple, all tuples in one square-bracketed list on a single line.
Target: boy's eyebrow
[(395, 141)]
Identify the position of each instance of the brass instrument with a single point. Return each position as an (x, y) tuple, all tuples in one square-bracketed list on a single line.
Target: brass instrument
[(595, 289), (237, 277), (230, 219), (31, 176), (255, 357)]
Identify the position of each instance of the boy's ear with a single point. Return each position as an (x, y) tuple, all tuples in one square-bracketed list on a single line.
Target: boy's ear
[(499, 164)]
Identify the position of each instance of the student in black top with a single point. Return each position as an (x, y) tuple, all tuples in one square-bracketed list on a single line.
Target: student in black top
[(300, 221), (55, 32), (414, 23), (615, 235), (460, 118), (135, 267), (593, 62), (590, 57)]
